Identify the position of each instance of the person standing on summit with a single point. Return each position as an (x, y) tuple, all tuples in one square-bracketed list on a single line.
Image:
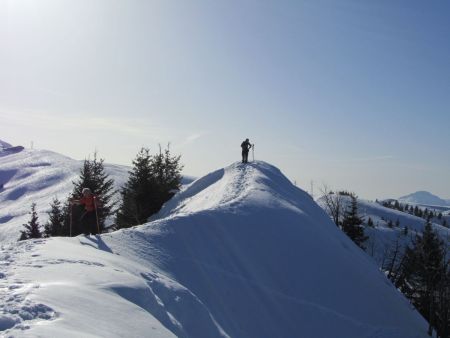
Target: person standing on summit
[(245, 148)]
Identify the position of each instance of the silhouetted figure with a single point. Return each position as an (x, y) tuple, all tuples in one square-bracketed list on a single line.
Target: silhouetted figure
[(245, 148)]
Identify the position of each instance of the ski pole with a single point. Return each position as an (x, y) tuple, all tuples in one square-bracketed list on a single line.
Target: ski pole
[(253, 152), (96, 215), (70, 219)]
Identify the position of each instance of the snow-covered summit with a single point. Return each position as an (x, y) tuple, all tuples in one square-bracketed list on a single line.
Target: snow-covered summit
[(256, 185), (424, 198), (4, 145), (240, 252)]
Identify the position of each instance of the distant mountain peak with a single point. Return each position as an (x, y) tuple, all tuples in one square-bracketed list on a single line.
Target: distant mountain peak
[(423, 197)]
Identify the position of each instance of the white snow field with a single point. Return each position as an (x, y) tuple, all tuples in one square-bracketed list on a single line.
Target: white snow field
[(240, 252), (38, 176)]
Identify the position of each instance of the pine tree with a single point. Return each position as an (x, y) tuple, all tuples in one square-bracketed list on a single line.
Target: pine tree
[(424, 271), (67, 211), (166, 170), (55, 224), (152, 182), (397, 223), (94, 177), (370, 222), (351, 224), (32, 228), (135, 207)]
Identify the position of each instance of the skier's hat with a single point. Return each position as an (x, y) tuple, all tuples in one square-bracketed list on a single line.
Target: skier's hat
[(86, 190)]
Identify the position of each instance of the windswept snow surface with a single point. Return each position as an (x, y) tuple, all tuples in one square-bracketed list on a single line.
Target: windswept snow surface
[(38, 176), (240, 252)]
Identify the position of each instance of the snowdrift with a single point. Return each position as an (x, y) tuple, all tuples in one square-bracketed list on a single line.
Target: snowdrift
[(240, 252)]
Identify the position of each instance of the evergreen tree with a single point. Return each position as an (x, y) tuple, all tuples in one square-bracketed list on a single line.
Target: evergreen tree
[(390, 224), (135, 207), (351, 224), (55, 224), (166, 170), (397, 223), (424, 271), (152, 182), (370, 222), (67, 211), (420, 213), (32, 228), (94, 177)]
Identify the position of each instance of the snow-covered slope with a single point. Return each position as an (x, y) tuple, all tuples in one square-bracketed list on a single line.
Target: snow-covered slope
[(37, 176), (4, 145), (423, 198), (382, 238), (240, 252), (29, 175)]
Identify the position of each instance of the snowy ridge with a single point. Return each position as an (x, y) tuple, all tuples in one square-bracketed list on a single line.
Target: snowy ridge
[(226, 188), (4, 145), (240, 252)]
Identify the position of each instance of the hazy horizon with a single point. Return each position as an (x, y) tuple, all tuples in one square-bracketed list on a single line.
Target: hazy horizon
[(351, 94)]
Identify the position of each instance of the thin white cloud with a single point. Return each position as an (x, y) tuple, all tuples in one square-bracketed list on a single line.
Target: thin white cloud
[(81, 122), (192, 138), (373, 158)]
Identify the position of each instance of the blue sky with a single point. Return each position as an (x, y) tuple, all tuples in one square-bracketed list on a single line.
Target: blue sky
[(354, 94)]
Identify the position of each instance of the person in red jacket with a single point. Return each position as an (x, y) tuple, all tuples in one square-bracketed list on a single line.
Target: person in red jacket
[(89, 218)]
